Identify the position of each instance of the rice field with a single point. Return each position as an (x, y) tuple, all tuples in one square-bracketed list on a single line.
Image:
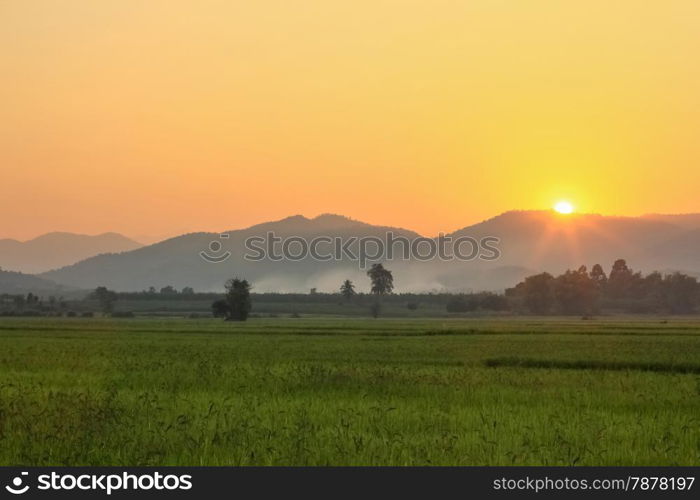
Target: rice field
[(334, 391)]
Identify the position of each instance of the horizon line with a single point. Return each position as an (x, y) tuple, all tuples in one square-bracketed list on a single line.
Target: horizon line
[(147, 240)]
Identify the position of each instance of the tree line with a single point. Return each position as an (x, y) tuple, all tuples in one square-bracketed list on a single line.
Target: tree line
[(583, 292), (574, 292)]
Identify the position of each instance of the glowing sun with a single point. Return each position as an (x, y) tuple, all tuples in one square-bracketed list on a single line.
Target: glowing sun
[(563, 207)]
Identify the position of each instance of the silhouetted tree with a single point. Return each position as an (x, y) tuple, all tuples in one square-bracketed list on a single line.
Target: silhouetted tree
[(623, 283), (105, 298), (187, 291), (238, 299), (168, 290), (347, 290), (382, 280), (382, 284), (538, 293), (32, 300), (220, 308), (654, 293), (599, 277), (575, 292), (680, 292)]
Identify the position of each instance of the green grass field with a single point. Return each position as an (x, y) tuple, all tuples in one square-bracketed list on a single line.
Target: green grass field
[(317, 391)]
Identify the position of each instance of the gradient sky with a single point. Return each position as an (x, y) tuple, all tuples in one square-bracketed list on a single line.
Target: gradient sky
[(160, 117)]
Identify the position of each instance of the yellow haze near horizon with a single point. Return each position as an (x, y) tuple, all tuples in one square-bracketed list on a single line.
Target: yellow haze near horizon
[(161, 117)]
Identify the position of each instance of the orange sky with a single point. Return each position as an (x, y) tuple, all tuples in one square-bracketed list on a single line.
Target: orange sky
[(160, 117)]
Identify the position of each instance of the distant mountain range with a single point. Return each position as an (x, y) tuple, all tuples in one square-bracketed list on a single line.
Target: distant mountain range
[(530, 241), (687, 221), (55, 250), (19, 283)]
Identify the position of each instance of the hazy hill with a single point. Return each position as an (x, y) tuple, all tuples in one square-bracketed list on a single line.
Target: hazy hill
[(681, 252), (19, 283), (177, 261), (687, 221), (55, 250), (531, 241), (549, 241)]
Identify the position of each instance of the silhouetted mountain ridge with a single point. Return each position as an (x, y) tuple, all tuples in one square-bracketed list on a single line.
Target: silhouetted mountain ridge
[(59, 249), (530, 241), (19, 283)]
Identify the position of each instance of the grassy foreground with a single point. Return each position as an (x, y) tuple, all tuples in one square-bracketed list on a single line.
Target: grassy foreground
[(349, 391)]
